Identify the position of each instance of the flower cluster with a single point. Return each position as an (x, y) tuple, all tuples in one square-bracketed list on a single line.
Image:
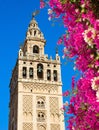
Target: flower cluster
[(42, 4), (81, 41), (95, 83)]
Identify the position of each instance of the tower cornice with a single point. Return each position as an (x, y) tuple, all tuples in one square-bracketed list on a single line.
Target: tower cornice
[(35, 39)]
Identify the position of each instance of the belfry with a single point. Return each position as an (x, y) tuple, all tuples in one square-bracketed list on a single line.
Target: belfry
[(35, 86)]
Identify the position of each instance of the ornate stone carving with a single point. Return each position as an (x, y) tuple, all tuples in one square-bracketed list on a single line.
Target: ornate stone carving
[(27, 103), (40, 88), (27, 87), (54, 105), (54, 109), (27, 116), (27, 107), (55, 127), (55, 117), (40, 102), (27, 126), (41, 127)]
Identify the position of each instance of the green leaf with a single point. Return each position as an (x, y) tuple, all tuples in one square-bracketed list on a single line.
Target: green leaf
[(63, 1), (97, 114)]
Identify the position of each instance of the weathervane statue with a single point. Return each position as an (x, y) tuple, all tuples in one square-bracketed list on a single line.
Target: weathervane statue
[(35, 13)]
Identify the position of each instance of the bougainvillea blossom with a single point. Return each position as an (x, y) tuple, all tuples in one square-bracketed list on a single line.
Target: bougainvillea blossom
[(81, 41)]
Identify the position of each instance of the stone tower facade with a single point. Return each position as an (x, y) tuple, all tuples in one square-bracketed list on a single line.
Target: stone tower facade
[(35, 86)]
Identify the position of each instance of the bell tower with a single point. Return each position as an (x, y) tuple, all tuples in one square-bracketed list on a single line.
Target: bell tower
[(35, 86)]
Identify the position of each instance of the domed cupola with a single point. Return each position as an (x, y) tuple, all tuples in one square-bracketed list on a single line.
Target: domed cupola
[(34, 41), (33, 24), (34, 32)]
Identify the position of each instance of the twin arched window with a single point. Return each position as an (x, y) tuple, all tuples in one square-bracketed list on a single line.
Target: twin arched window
[(41, 103), (41, 116), (24, 72)]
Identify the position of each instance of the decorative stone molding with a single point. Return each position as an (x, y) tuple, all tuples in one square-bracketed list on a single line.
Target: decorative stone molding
[(55, 127), (40, 88), (27, 126), (27, 107), (54, 109), (54, 105), (41, 126), (27, 103)]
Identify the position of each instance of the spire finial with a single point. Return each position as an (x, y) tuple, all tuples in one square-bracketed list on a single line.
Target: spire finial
[(21, 45), (56, 49), (35, 13)]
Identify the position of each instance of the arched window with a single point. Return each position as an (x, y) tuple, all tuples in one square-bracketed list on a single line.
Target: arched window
[(40, 71), (35, 49), (42, 127), (42, 103), (24, 72), (55, 75), (30, 32), (41, 116), (31, 72), (38, 103), (48, 74), (34, 32)]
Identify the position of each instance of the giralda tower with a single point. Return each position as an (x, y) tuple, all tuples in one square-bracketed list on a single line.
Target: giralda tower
[(35, 86)]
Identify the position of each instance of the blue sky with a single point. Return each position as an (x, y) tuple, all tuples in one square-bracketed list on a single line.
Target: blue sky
[(15, 16)]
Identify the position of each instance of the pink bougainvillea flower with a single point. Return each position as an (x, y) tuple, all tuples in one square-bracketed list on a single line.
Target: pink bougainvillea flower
[(42, 4), (96, 25), (81, 43), (60, 41), (67, 93)]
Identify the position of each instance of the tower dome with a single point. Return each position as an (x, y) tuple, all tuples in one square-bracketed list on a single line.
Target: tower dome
[(34, 32), (33, 23)]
